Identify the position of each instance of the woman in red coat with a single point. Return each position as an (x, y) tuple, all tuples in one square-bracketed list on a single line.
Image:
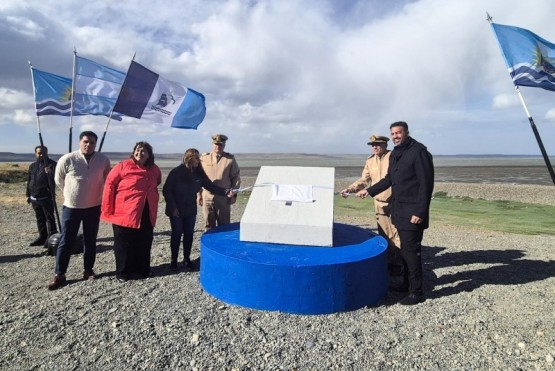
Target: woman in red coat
[(130, 203)]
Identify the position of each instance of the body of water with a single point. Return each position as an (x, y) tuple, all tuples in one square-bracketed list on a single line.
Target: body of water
[(461, 169)]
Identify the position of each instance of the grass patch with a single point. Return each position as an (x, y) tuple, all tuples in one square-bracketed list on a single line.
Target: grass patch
[(13, 172), (503, 216)]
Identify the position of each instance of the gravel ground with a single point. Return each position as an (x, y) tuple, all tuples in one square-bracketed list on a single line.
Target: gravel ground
[(490, 307)]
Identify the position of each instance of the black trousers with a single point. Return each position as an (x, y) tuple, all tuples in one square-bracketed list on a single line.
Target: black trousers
[(411, 248), (132, 247), (44, 212)]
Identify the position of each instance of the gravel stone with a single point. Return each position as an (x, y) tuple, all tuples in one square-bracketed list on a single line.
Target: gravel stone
[(490, 300)]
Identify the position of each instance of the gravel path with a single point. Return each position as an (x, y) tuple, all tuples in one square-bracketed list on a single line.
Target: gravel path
[(490, 307)]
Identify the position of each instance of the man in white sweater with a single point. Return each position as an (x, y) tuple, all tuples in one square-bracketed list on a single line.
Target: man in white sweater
[(80, 175)]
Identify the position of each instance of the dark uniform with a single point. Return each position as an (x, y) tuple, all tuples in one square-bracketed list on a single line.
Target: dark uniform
[(39, 195), (411, 178)]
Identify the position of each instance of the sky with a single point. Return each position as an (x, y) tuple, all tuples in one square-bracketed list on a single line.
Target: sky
[(287, 76)]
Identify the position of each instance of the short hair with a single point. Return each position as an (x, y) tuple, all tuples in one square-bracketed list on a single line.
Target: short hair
[(189, 154), (88, 133), (44, 148), (403, 124), (145, 145)]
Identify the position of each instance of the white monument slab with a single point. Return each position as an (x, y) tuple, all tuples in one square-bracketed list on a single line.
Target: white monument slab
[(290, 205)]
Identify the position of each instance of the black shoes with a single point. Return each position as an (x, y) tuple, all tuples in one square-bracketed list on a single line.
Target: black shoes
[(38, 242), (122, 277), (399, 288), (89, 274), (58, 281), (173, 266), (188, 264), (413, 299)]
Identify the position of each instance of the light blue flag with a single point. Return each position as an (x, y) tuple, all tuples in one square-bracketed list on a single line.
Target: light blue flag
[(52, 93), (96, 88), (146, 95), (530, 58)]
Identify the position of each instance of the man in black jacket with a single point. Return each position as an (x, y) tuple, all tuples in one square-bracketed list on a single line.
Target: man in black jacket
[(39, 194), (411, 178)]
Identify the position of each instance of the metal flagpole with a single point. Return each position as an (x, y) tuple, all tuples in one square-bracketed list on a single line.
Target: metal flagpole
[(105, 130), (51, 184), (530, 119), (537, 135), (72, 99), (111, 113)]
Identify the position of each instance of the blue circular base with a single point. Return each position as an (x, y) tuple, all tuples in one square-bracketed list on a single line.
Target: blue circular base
[(295, 279)]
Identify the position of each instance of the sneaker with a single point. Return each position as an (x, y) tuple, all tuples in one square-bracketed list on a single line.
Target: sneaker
[(58, 281), (88, 274), (122, 277), (413, 299)]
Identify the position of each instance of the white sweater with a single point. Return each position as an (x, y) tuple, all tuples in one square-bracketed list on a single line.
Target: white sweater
[(82, 182)]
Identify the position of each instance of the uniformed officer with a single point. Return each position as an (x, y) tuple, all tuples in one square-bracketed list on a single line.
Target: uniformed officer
[(374, 170), (223, 170)]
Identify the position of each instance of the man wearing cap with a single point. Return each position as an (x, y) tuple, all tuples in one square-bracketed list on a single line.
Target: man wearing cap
[(223, 171), (374, 170)]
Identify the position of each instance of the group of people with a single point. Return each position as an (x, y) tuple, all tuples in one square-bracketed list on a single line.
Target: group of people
[(401, 182), (127, 197)]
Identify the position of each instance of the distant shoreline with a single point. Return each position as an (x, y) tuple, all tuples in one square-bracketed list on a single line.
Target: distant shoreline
[(481, 169)]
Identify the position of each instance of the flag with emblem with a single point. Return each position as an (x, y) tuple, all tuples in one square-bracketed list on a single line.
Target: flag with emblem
[(529, 58), (52, 93), (96, 88), (147, 95)]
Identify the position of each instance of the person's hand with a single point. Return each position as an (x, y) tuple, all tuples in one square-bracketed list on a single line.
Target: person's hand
[(345, 193), (416, 220), (362, 194), (199, 199)]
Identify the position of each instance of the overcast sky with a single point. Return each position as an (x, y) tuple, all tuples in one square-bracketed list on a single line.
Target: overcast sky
[(300, 76)]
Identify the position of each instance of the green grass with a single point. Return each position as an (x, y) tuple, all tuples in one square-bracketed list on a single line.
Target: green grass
[(13, 173), (503, 216)]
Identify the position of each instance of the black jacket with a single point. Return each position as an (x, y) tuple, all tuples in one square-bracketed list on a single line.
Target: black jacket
[(181, 188), (38, 182), (411, 178)]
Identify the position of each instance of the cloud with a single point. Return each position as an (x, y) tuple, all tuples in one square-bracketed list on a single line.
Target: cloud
[(289, 76)]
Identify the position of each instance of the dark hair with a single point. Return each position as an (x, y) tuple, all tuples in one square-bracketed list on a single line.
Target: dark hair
[(145, 145), (88, 133), (44, 148), (403, 124)]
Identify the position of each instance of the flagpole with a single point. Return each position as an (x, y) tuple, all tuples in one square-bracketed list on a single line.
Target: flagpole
[(105, 130), (44, 158), (111, 113), (537, 135), (530, 119), (72, 99)]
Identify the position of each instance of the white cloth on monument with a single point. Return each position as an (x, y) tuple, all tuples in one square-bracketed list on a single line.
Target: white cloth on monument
[(292, 193)]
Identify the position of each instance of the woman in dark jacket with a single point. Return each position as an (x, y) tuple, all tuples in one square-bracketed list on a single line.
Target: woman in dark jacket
[(180, 192)]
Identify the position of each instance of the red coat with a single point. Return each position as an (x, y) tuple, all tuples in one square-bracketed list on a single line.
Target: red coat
[(127, 188)]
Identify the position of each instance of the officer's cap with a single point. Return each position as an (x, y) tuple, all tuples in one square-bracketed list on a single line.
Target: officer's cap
[(377, 139), (219, 139)]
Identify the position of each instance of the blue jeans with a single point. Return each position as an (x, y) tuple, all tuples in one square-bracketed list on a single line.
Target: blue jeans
[(182, 227), (71, 219)]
